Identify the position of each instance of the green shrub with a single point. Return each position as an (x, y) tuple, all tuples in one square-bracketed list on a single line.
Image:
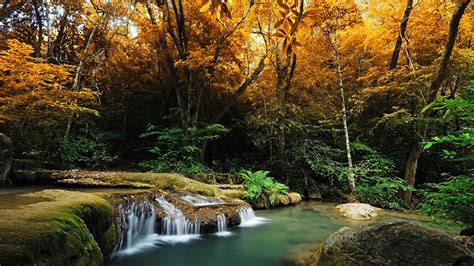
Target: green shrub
[(258, 184), (377, 184), (85, 151), (176, 149), (454, 198)]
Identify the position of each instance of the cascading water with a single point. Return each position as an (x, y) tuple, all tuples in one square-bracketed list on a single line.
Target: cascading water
[(136, 220), (222, 225), (137, 223), (201, 201), (248, 218), (176, 223)]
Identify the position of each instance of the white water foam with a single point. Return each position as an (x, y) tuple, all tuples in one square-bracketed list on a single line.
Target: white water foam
[(222, 226), (200, 201), (176, 223), (248, 218), (139, 219)]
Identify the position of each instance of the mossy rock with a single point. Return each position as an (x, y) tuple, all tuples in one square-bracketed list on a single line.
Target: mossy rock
[(391, 243), (56, 227), (158, 181)]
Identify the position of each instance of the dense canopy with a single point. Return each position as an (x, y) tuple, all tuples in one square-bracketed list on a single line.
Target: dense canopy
[(362, 100)]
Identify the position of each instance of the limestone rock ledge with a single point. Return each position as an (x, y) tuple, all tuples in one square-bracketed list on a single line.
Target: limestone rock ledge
[(358, 211)]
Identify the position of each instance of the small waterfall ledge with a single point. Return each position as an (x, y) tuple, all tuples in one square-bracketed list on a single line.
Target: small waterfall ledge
[(149, 218)]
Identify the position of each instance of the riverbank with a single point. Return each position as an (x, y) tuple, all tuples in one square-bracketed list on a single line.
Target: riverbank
[(73, 218)]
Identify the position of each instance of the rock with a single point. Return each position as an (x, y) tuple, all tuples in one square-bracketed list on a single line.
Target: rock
[(56, 227), (358, 211), (391, 243), (5, 158), (467, 232), (282, 200), (467, 241), (294, 197)]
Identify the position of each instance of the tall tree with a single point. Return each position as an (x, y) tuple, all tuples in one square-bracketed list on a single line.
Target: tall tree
[(337, 17), (416, 149)]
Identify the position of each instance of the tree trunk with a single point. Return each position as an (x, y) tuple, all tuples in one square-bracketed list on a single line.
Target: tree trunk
[(401, 35), (6, 153), (350, 168), (39, 20), (448, 50), (55, 52), (416, 150), (411, 168), (77, 76)]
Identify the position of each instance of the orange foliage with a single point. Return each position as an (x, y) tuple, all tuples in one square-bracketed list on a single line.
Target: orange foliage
[(32, 89)]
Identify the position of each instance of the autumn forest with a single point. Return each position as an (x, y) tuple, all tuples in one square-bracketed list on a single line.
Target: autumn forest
[(359, 101)]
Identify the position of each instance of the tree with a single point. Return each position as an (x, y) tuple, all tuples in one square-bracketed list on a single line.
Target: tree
[(192, 67), (416, 150), (401, 34), (33, 90), (337, 18)]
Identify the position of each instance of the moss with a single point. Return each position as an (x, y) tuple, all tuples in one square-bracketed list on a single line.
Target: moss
[(164, 182), (235, 194), (58, 229)]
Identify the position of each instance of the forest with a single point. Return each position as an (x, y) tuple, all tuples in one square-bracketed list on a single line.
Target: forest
[(263, 102)]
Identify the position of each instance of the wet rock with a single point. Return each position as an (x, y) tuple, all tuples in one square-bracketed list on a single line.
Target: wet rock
[(207, 215), (5, 158), (391, 243), (358, 211)]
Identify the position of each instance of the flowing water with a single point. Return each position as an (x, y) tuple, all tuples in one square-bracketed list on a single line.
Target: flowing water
[(222, 226), (140, 222), (268, 237), (176, 223), (201, 201)]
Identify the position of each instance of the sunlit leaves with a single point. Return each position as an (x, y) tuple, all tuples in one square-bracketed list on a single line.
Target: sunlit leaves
[(34, 89), (292, 17), (218, 9)]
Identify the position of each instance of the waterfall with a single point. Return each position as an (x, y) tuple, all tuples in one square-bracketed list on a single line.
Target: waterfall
[(175, 223), (248, 218), (221, 223), (136, 222), (201, 201), (222, 226)]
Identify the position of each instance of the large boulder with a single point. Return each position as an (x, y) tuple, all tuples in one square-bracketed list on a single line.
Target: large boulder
[(391, 243), (358, 211), (5, 158)]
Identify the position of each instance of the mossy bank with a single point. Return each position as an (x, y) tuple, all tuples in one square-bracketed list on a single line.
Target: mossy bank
[(56, 227)]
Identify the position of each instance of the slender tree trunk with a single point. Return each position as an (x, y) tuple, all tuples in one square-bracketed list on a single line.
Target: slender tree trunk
[(55, 52), (416, 149), (401, 35), (77, 76), (350, 167), (39, 20)]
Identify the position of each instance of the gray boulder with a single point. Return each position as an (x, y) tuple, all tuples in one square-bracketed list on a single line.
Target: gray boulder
[(5, 158), (391, 243)]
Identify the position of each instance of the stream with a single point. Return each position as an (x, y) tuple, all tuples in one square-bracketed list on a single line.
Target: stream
[(270, 239), (264, 237)]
